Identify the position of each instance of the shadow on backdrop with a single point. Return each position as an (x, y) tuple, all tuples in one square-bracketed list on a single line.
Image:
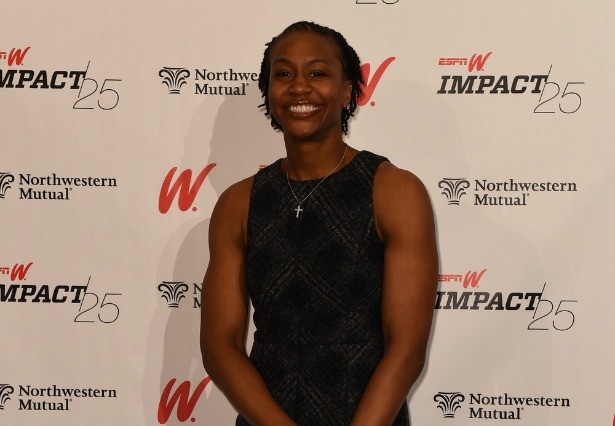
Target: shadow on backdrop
[(242, 140)]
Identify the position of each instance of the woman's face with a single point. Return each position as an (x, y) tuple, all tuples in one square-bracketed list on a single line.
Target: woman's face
[(307, 87)]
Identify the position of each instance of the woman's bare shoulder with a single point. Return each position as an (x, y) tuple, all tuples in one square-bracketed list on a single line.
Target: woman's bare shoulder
[(392, 181), (400, 200), (230, 215), (236, 194)]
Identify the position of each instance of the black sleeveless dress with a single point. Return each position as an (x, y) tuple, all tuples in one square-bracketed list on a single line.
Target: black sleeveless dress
[(316, 283)]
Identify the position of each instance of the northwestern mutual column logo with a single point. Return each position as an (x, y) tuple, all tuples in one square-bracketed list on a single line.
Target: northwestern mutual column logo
[(5, 392), (174, 78), (449, 402), (173, 292), (5, 183), (453, 189)]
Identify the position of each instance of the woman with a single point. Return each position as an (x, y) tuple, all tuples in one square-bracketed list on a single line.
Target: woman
[(335, 249)]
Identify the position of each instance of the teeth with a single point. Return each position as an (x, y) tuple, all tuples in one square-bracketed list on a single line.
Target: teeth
[(302, 108)]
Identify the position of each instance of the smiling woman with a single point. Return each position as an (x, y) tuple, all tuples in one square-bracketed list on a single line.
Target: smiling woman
[(343, 285), (307, 88), (342, 52)]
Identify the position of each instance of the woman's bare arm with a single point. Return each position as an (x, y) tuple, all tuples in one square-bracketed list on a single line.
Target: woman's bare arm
[(405, 222), (224, 313)]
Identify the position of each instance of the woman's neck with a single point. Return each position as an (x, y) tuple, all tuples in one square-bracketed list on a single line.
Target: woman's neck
[(309, 160)]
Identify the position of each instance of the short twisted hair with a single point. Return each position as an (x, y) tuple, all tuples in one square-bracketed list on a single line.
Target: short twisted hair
[(351, 65)]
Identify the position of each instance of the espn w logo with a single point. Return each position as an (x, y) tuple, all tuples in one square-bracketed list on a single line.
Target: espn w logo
[(15, 56), (472, 278), (183, 189), (18, 272), (181, 399), (370, 84), (475, 63)]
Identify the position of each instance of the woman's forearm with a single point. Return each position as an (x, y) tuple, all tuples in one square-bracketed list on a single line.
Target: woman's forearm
[(233, 373), (387, 388)]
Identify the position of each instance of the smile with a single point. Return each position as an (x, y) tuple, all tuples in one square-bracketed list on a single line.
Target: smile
[(302, 108)]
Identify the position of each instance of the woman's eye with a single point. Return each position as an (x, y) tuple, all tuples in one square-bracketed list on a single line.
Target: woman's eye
[(318, 73), (281, 73)]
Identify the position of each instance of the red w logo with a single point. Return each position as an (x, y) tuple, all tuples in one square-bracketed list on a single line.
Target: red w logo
[(16, 56), (181, 398), (477, 62), (187, 194), (472, 278), (19, 271), (369, 85)]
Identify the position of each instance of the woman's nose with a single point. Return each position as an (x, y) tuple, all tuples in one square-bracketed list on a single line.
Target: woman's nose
[(300, 84)]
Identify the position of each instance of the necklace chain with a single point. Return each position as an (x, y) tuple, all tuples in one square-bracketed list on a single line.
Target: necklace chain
[(299, 203)]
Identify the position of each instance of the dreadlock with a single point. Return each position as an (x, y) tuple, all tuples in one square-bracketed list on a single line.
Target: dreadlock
[(351, 65)]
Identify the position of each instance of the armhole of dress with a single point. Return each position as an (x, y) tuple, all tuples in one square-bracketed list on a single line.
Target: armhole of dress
[(248, 220), (380, 161)]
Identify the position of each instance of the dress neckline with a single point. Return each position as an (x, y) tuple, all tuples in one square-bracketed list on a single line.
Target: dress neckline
[(311, 181)]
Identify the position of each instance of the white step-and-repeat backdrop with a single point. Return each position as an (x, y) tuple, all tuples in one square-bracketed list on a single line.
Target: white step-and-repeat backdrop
[(123, 121)]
